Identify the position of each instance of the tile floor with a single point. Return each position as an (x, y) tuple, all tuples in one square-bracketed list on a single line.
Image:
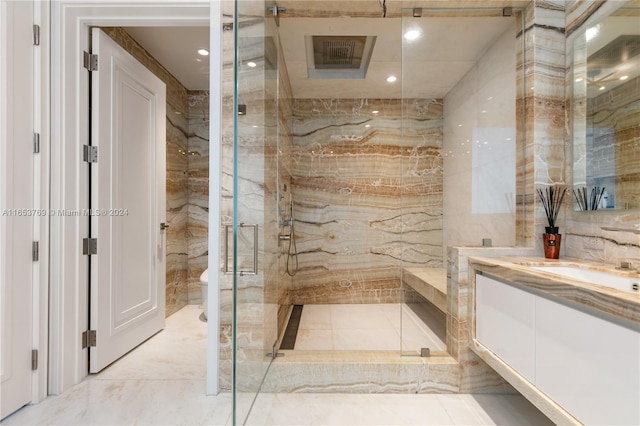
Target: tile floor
[(162, 383), (368, 327)]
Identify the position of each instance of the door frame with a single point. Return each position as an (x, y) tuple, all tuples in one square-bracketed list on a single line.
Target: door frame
[(69, 113)]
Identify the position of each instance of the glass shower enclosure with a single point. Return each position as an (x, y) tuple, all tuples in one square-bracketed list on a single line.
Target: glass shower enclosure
[(428, 149)]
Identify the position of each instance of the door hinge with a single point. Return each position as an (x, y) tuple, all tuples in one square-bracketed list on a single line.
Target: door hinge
[(89, 246), (90, 61), (36, 143), (88, 338), (274, 353), (36, 35), (34, 359), (35, 251), (90, 154)]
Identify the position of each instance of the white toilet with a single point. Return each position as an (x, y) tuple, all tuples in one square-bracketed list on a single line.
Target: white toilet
[(204, 285)]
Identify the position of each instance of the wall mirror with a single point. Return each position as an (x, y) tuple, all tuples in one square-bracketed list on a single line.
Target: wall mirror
[(606, 113)]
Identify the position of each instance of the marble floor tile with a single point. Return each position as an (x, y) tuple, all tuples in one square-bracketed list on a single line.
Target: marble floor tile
[(387, 409), (317, 317), (358, 316), (181, 341), (364, 327), (312, 339), (132, 392), (416, 338), (381, 339), (510, 409), (161, 382)]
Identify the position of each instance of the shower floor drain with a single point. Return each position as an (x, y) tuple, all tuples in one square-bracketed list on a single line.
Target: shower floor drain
[(289, 338)]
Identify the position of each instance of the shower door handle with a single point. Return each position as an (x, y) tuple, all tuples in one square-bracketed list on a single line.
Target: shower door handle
[(226, 249), (253, 271)]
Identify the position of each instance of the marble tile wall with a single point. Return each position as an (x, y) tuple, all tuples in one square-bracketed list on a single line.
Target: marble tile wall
[(359, 179), (177, 126), (198, 187), (585, 237)]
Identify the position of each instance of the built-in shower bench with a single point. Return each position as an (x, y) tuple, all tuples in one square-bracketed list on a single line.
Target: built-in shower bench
[(430, 283)]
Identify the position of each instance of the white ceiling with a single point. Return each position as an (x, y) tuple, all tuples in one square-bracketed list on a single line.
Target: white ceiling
[(176, 48), (444, 53), (434, 63)]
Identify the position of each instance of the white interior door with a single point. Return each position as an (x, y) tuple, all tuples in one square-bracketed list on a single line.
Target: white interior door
[(128, 203), (16, 205)]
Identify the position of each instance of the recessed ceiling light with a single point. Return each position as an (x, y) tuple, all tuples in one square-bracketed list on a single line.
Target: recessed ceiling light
[(391, 79), (203, 52), (592, 32), (412, 35), (367, 125), (624, 77), (252, 64), (375, 111), (601, 88)]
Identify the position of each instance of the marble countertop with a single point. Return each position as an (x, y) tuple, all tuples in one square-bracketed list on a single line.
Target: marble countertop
[(619, 303)]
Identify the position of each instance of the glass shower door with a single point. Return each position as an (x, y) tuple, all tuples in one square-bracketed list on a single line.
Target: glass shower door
[(252, 229), (463, 137)]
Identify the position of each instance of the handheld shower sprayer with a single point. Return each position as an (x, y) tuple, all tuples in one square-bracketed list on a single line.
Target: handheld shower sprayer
[(291, 263)]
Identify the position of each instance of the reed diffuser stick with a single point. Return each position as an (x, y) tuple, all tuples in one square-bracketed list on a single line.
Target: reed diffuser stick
[(552, 200)]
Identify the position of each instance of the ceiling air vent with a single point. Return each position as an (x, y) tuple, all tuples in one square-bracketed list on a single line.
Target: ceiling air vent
[(339, 56), (617, 51)]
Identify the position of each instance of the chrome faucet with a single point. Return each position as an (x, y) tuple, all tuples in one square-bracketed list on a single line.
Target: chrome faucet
[(625, 265)]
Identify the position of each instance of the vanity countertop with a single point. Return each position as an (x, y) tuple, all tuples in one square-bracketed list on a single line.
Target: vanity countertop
[(619, 303)]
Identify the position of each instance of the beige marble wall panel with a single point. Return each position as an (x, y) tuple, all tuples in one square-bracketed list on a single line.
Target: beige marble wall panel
[(359, 179), (198, 209), (545, 107), (176, 163)]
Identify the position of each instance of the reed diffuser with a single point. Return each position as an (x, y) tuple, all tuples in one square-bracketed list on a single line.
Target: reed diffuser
[(552, 199)]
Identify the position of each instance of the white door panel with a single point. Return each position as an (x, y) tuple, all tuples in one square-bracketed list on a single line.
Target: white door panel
[(128, 202), (16, 205)]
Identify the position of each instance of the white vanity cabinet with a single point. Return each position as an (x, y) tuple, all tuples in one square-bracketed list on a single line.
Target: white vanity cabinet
[(587, 364), (505, 323), (585, 361)]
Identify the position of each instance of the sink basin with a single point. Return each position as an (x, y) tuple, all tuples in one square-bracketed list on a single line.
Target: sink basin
[(619, 282)]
